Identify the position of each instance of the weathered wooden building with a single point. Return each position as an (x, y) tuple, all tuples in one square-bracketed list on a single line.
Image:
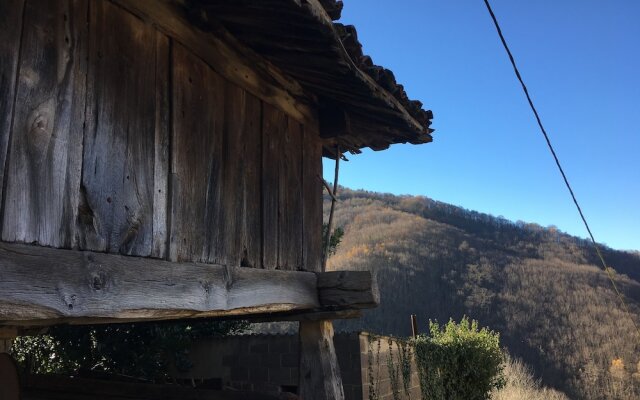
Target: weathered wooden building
[(161, 159)]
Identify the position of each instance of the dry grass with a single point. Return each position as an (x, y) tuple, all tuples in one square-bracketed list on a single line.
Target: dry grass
[(521, 385)]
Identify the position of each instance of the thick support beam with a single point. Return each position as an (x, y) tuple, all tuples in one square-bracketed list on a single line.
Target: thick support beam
[(9, 380), (348, 289), (319, 375), (7, 334), (41, 286)]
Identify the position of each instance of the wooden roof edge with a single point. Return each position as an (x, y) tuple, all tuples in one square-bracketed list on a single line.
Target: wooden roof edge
[(381, 80), (394, 118)]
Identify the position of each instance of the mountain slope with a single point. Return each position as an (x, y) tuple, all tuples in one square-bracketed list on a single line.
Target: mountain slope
[(539, 287)]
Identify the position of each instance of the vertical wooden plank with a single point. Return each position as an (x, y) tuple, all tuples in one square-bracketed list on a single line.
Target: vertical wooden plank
[(232, 170), (251, 227), (319, 373), (43, 175), (198, 115), (241, 162), (161, 147), (290, 198), (118, 166), (11, 12), (9, 376), (312, 199), (273, 125)]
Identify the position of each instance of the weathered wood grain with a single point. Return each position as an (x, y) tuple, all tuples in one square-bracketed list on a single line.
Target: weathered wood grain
[(241, 164), (351, 289), (43, 286), (306, 315), (274, 125), (231, 192), (319, 373), (11, 13), (251, 225), (118, 161), (9, 377), (196, 171), (5, 346), (312, 199), (226, 55), (8, 332), (160, 248), (43, 175), (290, 198)]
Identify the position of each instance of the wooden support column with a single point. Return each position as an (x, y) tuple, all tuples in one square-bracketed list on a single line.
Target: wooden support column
[(7, 334), (9, 380), (319, 375)]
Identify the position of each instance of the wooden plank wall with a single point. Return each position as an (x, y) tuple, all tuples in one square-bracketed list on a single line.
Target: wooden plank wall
[(44, 160), (117, 138)]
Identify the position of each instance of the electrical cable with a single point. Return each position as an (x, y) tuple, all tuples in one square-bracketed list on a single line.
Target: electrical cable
[(608, 270)]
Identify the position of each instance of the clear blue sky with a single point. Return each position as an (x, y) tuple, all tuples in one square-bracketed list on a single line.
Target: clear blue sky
[(581, 62)]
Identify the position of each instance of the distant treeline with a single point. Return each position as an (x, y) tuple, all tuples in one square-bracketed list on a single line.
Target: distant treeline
[(543, 289)]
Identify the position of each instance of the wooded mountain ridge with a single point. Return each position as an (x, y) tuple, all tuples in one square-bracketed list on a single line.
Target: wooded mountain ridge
[(540, 288)]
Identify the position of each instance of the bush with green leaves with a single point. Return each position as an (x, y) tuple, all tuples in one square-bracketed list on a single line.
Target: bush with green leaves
[(459, 361), (141, 350), (334, 241)]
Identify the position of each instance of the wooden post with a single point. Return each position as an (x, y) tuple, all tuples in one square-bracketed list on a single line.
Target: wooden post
[(414, 326), (319, 375), (9, 380), (7, 334)]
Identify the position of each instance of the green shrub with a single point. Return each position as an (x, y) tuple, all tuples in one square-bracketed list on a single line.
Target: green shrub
[(459, 361), (141, 350)]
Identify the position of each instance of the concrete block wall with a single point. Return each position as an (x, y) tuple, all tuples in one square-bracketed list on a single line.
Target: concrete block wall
[(269, 363), (265, 363)]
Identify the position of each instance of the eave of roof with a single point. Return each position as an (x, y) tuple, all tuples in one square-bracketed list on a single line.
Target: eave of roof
[(300, 38)]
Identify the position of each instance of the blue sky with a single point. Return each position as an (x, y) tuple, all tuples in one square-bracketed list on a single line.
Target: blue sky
[(581, 62)]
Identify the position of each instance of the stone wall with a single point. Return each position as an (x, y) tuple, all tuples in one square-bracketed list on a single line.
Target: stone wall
[(269, 363)]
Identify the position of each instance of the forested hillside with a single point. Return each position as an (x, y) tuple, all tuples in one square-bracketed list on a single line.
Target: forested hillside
[(541, 288)]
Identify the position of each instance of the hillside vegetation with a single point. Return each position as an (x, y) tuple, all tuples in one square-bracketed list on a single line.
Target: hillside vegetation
[(540, 288)]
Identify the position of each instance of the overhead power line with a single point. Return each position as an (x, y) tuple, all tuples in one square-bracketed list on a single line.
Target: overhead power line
[(608, 270)]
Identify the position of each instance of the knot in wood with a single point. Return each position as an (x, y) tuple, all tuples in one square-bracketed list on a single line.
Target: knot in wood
[(98, 281)]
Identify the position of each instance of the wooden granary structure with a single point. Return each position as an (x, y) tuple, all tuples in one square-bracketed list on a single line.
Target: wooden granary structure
[(161, 159)]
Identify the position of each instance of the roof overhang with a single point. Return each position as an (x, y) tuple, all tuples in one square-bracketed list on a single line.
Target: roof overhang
[(360, 102)]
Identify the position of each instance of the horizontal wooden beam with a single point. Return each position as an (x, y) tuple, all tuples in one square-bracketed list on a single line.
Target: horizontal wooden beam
[(43, 286), (320, 314), (348, 289)]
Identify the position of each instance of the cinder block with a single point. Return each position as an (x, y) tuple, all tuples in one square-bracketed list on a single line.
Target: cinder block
[(259, 348), (258, 374), (229, 360), (270, 360), (290, 360), (239, 373), (248, 360), (280, 376), (266, 388), (280, 345)]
